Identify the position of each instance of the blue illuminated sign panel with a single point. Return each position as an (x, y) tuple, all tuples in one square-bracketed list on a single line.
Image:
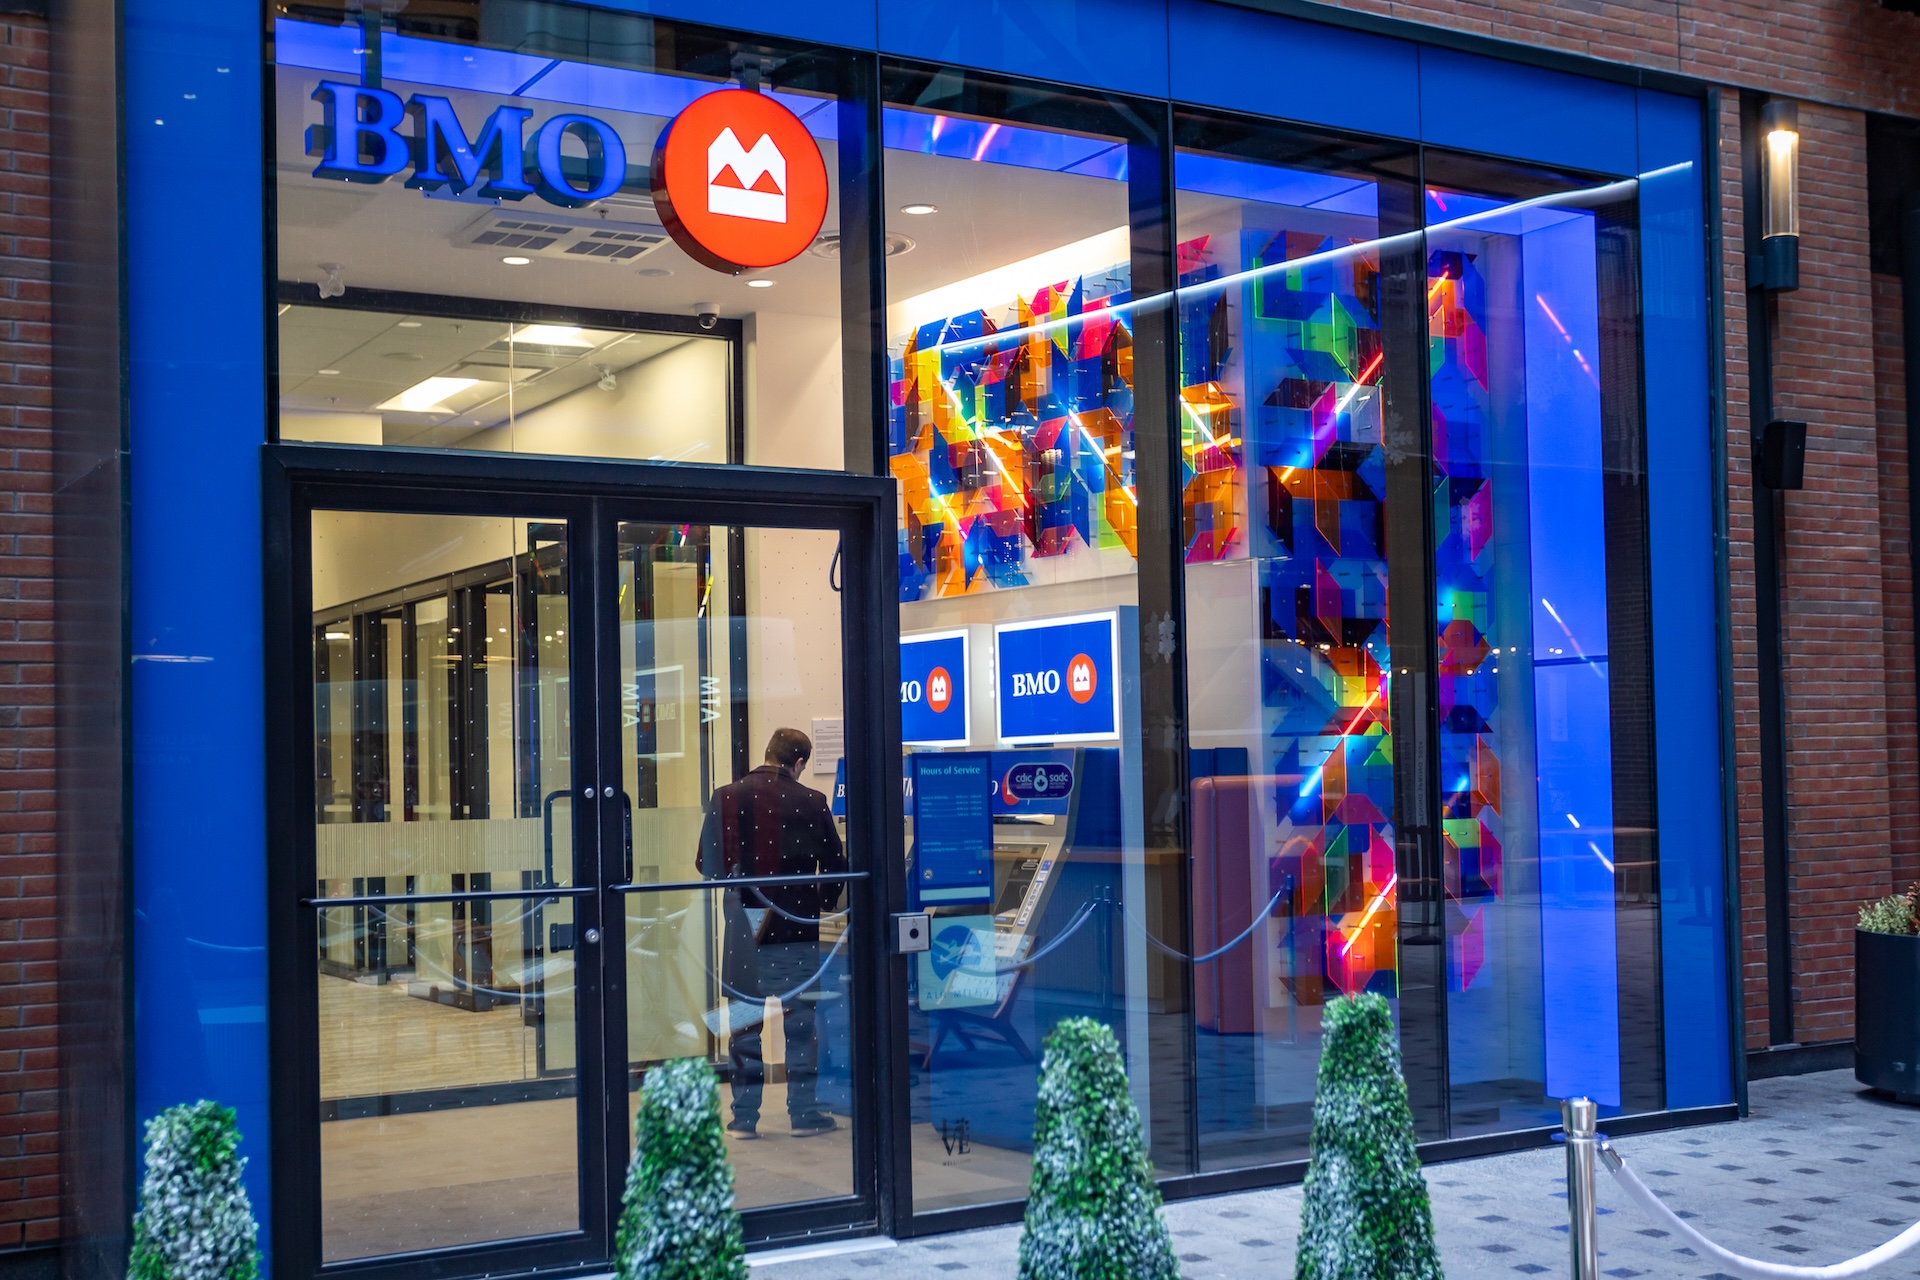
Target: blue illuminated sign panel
[(360, 141), (933, 690), (1058, 679)]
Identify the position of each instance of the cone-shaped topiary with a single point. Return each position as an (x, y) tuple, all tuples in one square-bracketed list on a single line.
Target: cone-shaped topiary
[(677, 1220), (194, 1221), (1366, 1215), (1094, 1211)]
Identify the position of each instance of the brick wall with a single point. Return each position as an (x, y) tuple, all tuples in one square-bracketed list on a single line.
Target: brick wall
[(1833, 634), (1846, 52), (28, 1155), (1896, 584)]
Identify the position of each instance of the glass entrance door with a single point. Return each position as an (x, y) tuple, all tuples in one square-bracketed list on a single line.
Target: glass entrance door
[(574, 769)]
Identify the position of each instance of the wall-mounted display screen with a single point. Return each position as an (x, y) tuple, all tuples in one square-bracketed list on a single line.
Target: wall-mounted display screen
[(1056, 679)]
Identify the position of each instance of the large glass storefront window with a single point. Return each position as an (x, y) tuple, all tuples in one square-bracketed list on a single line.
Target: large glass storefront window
[(1302, 499), (474, 238), (1010, 331), (1545, 746), (1272, 591)]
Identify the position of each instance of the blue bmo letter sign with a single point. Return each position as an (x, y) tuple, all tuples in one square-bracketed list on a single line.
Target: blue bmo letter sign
[(1058, 679), (933, 690)]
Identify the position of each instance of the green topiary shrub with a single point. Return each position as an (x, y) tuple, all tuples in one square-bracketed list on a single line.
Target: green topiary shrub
[(1895, 913), (1366, 1215), (194, 1221), (677, 1220), (1094, 1211)]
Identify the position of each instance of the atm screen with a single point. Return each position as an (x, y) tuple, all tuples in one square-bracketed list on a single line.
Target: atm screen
[(1022, 862)]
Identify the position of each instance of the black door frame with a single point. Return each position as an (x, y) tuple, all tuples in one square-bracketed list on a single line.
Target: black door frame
[(592, 495)]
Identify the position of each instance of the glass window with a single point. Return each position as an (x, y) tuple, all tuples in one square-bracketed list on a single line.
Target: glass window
[(1545, 708), (479, 243), (443, 762), (1010, 324), (1299, 513)]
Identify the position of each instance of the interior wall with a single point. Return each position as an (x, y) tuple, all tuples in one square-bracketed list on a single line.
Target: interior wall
[(794, 391), (363, 553), (671, 407), (793, 639)]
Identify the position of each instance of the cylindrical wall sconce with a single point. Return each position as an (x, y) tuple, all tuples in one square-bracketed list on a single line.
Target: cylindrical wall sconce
[(1780, 195)]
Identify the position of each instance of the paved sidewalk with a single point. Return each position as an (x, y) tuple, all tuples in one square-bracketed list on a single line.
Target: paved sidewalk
[(1818, 1173)]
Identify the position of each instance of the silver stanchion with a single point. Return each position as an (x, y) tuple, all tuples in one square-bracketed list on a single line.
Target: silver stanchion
[(1580, 1117)]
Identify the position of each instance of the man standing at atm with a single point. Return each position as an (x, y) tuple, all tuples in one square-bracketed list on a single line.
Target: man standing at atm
[(771, 824)]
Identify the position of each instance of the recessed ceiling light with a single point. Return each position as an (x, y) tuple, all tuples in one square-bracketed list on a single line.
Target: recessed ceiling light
[(516, 261), (550, 335), (919, 210), (759, 284), (654, 273), (408, 324), (426, 396), (327, 373)]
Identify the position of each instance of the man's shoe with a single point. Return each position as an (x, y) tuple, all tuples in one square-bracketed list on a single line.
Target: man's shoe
[(814, 1126), (743, 1130)]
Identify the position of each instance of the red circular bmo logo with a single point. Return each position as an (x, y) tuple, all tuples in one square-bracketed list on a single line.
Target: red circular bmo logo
[(1081, 678), (739, 182), (939, 689)]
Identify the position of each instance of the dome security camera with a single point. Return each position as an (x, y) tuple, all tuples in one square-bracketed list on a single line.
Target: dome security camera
[(708, 314)]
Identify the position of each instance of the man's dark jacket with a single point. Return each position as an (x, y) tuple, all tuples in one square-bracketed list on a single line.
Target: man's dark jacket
[(768, 824)]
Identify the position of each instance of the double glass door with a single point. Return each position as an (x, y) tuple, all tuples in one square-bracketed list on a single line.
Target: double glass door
[(577, 765)]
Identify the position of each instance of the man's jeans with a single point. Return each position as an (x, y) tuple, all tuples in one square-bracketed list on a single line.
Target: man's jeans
[(775, 971)]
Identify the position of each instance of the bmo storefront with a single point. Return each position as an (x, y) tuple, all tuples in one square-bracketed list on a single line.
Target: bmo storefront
[(1227, 502)]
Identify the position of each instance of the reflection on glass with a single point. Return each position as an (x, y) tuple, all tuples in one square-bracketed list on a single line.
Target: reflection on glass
[(758, 982), (1283, 371), (448, 1102), (731, 749), (443, 764), (1010, 330)]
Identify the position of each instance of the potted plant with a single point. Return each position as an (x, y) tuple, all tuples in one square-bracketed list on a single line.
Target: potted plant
[(1886, 995), (1365, 1214), (1094, 1211), (194, 1222), (677, 1219)]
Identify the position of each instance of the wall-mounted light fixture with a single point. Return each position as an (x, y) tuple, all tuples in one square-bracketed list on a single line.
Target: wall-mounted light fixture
[(1779, 195)]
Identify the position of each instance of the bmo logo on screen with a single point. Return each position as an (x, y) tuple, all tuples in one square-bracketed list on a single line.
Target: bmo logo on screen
[(1056, 679), (933, 689), (739, 182)]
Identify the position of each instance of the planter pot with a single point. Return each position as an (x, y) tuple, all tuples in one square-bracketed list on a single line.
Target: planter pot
[(1886, 1013)]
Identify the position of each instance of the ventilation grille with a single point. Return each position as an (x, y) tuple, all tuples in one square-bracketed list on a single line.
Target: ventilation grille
[(561, 237)]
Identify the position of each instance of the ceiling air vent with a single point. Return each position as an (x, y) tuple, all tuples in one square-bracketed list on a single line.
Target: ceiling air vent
[(561, 236)]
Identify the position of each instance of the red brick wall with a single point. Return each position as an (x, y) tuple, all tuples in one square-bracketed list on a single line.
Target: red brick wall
[(1833, 633), (1847, 52), (1746, 698), (1896, 584), (29, 1211)]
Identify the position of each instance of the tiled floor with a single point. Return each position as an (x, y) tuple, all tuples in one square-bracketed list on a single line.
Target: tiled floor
[(1819, 1172)]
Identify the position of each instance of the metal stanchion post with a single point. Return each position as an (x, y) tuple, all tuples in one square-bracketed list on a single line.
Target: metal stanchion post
[(1580, 1117)]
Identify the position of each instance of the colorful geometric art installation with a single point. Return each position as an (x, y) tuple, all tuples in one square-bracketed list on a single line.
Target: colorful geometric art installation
[(1463, 516), (1309, 363), (1013, 440)]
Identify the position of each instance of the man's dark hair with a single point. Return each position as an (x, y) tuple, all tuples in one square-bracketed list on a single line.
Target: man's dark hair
[(788, 747)]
